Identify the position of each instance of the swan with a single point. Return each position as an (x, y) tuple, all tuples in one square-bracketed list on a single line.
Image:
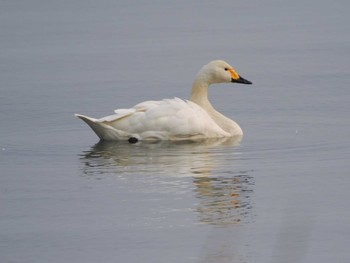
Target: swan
[(173, 119)]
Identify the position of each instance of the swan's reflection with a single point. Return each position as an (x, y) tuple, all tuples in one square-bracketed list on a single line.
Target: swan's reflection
[(223, 194), (224, 200), (171, 158)]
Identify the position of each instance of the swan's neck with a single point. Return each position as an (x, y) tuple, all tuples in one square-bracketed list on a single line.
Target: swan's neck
[(199, 95)]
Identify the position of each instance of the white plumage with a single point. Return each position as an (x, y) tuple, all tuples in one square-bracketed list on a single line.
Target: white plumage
[(173, 119)]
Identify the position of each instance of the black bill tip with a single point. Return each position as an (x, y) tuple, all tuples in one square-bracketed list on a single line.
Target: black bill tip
[(241, 81)]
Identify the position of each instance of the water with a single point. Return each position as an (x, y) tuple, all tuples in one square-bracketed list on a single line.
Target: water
[(279, 195)]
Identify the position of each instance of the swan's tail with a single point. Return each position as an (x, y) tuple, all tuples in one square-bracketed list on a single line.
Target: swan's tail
[(102, 130)]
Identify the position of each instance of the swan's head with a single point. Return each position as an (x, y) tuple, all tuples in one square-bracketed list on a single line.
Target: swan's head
[(219, 71)]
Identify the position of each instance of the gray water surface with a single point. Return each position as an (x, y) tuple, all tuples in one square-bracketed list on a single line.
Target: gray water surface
[(279, 195)]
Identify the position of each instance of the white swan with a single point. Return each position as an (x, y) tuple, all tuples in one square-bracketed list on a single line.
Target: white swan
[(173, 119)]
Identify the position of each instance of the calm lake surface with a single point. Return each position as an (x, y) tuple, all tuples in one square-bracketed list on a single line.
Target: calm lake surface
[(279, 195)]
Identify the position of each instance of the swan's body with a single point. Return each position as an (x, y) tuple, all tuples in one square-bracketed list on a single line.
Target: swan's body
[(174, 119)]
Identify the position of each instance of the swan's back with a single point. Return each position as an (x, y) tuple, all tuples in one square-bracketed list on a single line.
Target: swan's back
[(168, 119)]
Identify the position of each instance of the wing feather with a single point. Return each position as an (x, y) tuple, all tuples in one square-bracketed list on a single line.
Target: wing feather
[(168, 118)]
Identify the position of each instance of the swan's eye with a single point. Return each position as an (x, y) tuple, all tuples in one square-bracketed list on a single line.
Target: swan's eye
[(226, 69)]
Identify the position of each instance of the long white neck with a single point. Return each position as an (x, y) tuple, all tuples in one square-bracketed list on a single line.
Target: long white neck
[(199, 95)]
